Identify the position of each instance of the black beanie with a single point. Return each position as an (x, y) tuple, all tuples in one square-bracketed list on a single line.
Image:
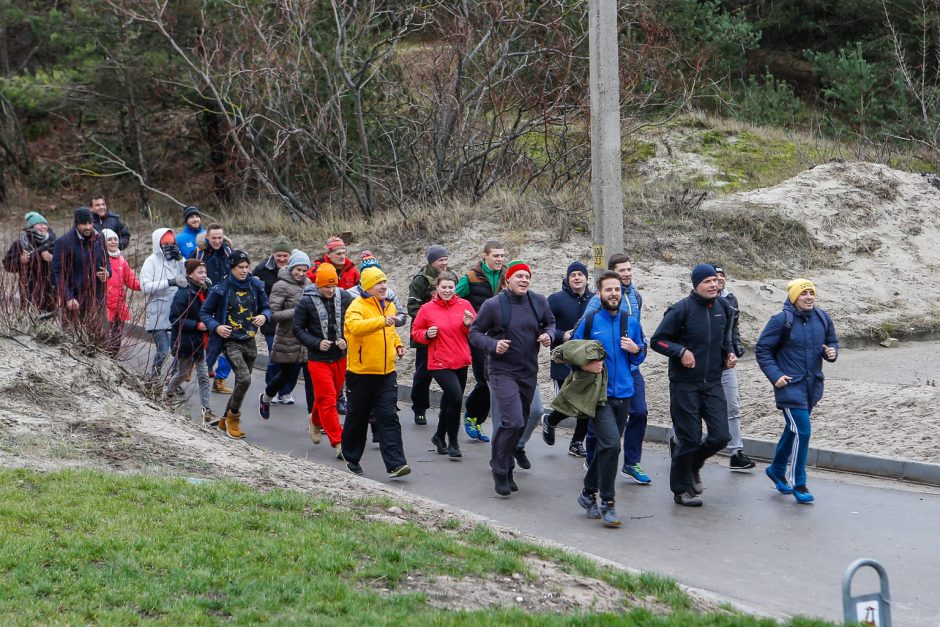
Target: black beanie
[(190, 211), (83, 215), (238, 256), (701, 272)]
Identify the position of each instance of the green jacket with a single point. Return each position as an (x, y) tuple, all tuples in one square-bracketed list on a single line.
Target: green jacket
[(582, 391), (493, 277), (420, 292)]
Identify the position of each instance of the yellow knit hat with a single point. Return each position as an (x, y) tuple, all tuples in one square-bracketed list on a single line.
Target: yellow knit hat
[(371, 277), (797, 287)]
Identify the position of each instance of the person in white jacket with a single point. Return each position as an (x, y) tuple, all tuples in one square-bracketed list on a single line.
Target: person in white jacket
[(163, 273)]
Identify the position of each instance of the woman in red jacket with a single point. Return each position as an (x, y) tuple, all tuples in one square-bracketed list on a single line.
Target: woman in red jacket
[(122, 279), (443, 324)]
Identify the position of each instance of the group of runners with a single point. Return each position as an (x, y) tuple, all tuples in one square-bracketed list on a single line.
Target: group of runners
[(334, 323)]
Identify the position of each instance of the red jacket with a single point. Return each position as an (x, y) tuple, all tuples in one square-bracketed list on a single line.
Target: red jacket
[(450, 349), (122, 279), (348, 275)]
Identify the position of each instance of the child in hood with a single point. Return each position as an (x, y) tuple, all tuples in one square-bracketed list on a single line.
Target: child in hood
[(122, 279)]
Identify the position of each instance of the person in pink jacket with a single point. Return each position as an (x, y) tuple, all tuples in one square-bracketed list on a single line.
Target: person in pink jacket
[(443, 324), (122, 279)]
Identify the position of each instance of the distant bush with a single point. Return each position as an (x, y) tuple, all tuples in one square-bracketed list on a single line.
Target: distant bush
[(767, 101)]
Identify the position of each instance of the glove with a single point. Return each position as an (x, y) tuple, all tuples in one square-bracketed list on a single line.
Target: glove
[(180, 281)]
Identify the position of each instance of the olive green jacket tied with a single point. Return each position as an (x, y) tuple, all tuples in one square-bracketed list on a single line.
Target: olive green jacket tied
[(582, 391)]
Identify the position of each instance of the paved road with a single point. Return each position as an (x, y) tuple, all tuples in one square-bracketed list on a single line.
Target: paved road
[(747, 543)]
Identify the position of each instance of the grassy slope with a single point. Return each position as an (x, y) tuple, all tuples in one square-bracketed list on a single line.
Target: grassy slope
[(83, 547)]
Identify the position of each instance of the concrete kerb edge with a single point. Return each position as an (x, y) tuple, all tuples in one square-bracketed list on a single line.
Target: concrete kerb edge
[(857, 463)]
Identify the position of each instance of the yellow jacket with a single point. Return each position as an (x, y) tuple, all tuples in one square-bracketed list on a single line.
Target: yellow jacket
[(371, 344)]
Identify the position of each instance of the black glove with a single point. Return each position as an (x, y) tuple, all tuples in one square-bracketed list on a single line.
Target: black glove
[(739, 350), (172, 252)]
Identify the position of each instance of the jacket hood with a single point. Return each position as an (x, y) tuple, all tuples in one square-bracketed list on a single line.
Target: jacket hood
[(155, 239), (788, 306), (284, 275)]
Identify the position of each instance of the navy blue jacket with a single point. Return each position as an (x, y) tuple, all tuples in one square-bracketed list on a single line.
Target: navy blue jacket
[(112, 221), (74, 263), (799, 357), (215, 308), (702, 326), (217, 262), (567, 307), (606, 330), (185, 338)]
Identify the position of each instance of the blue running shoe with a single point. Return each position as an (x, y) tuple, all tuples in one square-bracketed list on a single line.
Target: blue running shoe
[(636, 473), (470, 427), (779, 482), (589, 503), (482, 437), (802, 495)]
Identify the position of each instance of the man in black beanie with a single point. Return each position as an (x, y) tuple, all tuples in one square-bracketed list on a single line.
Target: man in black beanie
[(420, 292), (80, 271), (695, 334)]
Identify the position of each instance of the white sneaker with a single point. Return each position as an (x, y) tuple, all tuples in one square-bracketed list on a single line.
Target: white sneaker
[(285, 399)]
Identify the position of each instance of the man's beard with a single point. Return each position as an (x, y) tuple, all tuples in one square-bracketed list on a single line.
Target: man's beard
[(612, 307)]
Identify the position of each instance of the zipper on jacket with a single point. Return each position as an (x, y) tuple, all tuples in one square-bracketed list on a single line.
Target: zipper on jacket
[(708, 342)]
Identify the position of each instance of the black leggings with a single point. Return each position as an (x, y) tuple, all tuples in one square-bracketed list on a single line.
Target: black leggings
[(452, 382)]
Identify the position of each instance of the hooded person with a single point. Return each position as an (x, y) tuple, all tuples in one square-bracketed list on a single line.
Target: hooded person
[(162, 274), (122, 279), (373, 348), (288, 352), (80, 271), (337, 254), (188, 338), (30, 257)]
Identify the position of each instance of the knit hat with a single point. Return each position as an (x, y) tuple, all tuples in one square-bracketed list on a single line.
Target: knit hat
[(282, 245), (576, 266), (190, 211), (718, 269), (191, 265), (83, 215), (299, 258), (701, 272), (33, 218), (167, 238), (326, 275), (109, 234), (436, 252), (368, 260), (333, 243), (517, 266), (797, 287), (371, 277), (238, 256)]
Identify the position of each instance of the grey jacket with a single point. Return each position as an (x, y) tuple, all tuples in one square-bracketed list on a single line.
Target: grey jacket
[(284, 296)]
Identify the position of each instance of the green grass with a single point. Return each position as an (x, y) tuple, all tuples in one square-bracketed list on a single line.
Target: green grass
[(91, 547)]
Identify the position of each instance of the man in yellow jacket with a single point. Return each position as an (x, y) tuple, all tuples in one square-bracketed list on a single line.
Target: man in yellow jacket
[(373, 348)]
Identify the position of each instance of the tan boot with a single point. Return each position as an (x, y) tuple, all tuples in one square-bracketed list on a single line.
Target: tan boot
[(232, 422), (218, 385), (222, 423), (316, 433)]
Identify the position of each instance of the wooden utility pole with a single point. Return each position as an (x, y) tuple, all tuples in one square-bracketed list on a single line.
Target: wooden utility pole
[(606, 191)]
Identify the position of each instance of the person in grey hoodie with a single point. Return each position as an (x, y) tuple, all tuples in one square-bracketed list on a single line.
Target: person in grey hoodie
[(163, 273)]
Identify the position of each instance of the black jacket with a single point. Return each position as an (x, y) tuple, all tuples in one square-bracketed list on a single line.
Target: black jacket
[(567, 307), (112, 221), (75, 261), (307, 328), (699, 325), (732, 301), (267, 272), (185, 338)]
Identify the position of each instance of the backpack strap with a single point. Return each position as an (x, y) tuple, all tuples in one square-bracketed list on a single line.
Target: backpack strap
[(589, 323), (536, 306), (504, 313)]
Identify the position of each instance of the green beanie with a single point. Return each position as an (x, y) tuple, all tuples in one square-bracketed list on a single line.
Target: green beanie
[(282, 245), (33, 218)]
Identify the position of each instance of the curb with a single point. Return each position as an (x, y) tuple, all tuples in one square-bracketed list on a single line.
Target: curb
[(855, 463)]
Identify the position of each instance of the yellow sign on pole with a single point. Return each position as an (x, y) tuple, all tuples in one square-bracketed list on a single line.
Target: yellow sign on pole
[(600, 256)]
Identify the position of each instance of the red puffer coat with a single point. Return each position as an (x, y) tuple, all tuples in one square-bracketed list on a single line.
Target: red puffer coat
[(122, 279), (450, 350)]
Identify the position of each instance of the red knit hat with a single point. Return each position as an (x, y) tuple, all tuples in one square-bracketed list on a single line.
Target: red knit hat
[(334, 242), (516, 266)]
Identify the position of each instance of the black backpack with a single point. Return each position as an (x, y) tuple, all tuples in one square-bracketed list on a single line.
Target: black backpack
[(589, 323)]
